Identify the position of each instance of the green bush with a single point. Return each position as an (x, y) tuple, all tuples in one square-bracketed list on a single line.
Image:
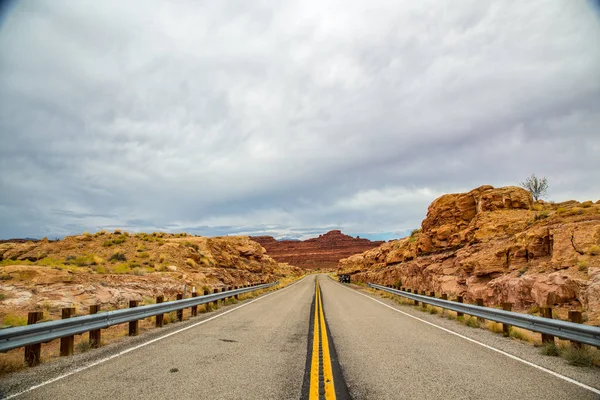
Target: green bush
[(118, 257)]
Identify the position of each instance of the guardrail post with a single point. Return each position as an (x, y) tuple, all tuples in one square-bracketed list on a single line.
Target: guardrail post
[(403, 289), (224, 289), (237, 296), (546, 312), (159, 317), (133, 325), (33, 351), (66, 343), (194, 308), (459, 299), (506, 327), (431, 294), (95, 334), (480, 304), (576, 317), (216, 302), (180, 311), (444, 296)]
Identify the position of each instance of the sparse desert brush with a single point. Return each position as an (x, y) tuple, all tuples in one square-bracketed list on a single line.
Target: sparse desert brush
[(83, 346), (162, 257), (534, 309), (11, 362), (139, 271), (11, 319), (117, 257), (107, 243), (121, 269), (119, 240), (594, 250), (472, 322), (537, 207), (582, 266), (144, 255), (190, 262), (550, 349), (587, 204), (583, 356), (561, 210), (117, 232)]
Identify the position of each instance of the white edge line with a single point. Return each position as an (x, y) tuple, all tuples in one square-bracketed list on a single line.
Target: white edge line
[(103, 360), (556, 374)]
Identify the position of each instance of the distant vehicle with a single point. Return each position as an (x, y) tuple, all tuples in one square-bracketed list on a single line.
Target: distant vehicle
[(344, 278)]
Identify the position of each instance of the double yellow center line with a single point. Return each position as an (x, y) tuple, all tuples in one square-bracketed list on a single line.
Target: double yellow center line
[(321, 375)]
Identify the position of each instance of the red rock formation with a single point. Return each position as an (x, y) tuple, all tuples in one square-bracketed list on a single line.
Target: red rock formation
[(499, 245), (322, 252)]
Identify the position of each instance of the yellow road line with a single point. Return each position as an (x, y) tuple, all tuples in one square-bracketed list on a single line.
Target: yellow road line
[(314, 367), (320, 338)]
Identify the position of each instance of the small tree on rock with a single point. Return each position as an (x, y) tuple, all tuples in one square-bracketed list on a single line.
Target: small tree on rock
[(537, 186)]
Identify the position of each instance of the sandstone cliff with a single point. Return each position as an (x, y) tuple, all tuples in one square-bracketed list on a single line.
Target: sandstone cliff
[(499, 245), (113, 268), (324, 251)]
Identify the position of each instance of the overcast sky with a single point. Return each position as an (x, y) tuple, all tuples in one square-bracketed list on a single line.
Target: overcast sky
[(288, 118)]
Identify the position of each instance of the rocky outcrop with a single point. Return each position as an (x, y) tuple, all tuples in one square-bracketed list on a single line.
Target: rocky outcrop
[(113, 268), (499, 245), (324, 251)]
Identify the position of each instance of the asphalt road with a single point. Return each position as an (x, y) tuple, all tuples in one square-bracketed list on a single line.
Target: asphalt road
[(387, 355), (259, 351)]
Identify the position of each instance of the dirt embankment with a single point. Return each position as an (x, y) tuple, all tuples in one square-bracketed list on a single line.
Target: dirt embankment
[(113, 268), (324, 251), (499, 245)]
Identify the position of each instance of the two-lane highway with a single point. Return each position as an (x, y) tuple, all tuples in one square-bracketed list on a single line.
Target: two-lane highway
[(302, 343)]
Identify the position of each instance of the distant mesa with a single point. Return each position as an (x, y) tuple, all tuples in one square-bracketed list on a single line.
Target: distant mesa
[(324, 251)]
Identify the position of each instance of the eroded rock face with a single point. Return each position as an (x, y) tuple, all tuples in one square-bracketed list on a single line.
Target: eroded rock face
[(322, 252), (499, 245)]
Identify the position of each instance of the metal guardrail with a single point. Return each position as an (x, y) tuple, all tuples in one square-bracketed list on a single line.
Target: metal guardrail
[(12, 338), (563, 329)]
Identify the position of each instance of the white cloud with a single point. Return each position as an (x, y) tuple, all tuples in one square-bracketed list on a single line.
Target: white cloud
[(293, 115)]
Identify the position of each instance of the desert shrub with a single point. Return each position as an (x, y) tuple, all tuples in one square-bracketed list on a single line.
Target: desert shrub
[(121, 269), (191, 245), (2, 296), (144, 255), (139, 271), (522, 271), (587, 204), (118, 257), (580, 357), (5, 277), (15, 320), (534, 309), (516, 334), (83, 261), (119, 240), (594, 250), (117, 232), (582, 266), (190, 262), (107, 243), (83, 346), (550, 349), (472, 322), (561, 210)]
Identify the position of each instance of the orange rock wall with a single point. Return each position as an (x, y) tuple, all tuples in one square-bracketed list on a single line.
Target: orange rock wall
[(499, 245)]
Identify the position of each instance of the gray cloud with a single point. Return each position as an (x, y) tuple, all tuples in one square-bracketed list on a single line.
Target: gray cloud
[(287, 118)]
